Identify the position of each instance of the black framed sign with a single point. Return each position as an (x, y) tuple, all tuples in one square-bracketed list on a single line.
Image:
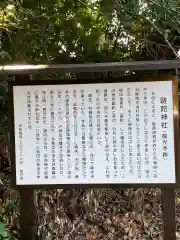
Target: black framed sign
[(67, 133)]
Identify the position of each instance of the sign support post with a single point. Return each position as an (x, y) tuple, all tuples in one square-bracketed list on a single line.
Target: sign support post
[(168, 208), (28, 218)]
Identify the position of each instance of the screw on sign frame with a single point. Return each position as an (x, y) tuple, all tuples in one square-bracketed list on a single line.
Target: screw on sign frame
[(28, 225)]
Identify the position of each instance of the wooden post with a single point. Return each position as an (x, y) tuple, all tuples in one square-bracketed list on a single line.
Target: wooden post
[(168, 207), (28, 216)]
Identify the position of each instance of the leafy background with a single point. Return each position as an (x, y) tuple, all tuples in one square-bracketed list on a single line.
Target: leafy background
[(67, 31)]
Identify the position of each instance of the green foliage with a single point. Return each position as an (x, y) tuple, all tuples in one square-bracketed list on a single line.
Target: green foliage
[(4, 234), (60, 31), (32, 4)]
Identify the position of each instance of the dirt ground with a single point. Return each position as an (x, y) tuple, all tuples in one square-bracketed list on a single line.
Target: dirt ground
[(104, 214)]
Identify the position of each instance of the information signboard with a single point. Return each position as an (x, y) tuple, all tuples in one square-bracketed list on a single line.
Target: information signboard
[(97, 133)]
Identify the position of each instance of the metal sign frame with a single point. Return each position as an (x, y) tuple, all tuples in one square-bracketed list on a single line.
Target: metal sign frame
[(92, 67), (73, 82)]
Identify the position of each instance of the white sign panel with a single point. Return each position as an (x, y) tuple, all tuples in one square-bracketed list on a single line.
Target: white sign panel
[(94, 133)]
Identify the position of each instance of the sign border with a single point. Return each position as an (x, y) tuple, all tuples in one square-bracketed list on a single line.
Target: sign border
[(126, 79)]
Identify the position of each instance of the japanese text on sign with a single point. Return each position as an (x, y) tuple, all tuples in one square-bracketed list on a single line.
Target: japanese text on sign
[(94, 133)]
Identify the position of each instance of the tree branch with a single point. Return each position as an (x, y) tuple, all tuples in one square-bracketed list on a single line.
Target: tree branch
[(116, 40), (165, 35)]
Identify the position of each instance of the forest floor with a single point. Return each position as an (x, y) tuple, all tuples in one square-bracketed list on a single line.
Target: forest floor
[(98, 214)]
